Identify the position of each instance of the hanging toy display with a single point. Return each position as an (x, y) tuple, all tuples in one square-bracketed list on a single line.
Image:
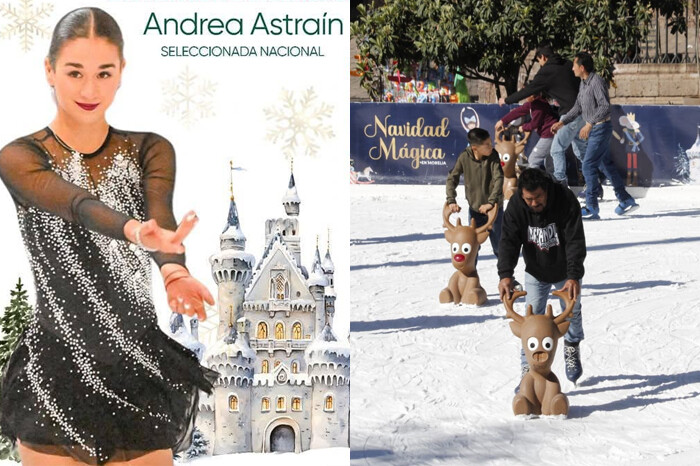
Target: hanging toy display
[(540, 392), (464, 286)]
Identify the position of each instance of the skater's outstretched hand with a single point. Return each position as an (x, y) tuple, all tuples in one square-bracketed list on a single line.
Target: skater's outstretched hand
[(186, 294), (573, 287), (154, 238)]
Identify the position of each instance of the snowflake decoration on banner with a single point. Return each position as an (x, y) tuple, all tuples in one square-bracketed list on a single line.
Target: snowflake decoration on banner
[(188, 97), (24, 22), (299, 122)]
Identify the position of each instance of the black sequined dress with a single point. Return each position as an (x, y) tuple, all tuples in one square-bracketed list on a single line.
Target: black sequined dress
[(93, 376)]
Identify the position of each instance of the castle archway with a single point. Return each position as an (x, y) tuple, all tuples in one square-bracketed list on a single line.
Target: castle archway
[(283, 435)]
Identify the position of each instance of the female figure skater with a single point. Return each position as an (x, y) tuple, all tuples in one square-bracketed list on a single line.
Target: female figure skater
[(93, 379)]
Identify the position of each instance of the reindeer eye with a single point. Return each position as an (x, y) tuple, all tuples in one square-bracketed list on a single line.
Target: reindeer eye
[(547, 343), (506, 157), (532, 343), (455, 248), (466, 248)]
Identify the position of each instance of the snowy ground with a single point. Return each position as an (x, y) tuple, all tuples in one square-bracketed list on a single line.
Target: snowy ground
[(433, 384)]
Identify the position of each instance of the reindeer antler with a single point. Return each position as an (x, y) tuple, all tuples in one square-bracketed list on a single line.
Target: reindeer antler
[(568, 311), (520, 145), (499, 135), (491, 218), (508, 304), (446, 218)]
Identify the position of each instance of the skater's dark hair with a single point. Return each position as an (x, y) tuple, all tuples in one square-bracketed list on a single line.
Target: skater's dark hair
[(584, 59), (477, 136), (533, 178), (84, 23), (544, 50)]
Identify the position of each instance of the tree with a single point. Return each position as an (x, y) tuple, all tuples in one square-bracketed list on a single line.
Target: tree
[(490, 40), (198, 446), (12, 323)]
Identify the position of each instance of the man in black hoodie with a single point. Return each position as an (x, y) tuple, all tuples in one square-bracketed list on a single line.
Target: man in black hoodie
[(544, 220), (556, 79)]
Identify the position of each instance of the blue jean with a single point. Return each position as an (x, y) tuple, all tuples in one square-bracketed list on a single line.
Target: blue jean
[(481, 219), (537, 294), (598, 156), (563, 138)]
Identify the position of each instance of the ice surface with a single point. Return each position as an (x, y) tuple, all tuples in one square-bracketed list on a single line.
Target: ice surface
[(434, 384)]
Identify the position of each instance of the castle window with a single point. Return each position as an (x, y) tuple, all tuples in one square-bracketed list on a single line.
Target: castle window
[(280, 287), (277, 363), (279, 331), (265, 369), (296, 404), (295, 367), (329, 403), (262, 331), (265, 404), (281, 405), (233, 403), (296, 331)]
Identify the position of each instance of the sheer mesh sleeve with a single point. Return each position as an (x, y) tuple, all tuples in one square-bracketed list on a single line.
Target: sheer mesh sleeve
[(158, 162), (27, 173)]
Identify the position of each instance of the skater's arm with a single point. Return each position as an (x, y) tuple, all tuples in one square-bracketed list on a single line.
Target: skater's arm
[(602, 101), (510, 243), (516, 113), (570, 115), (537, 85), (158, 166), (575, 242), (496, 193), (26, 171), (453, 181)]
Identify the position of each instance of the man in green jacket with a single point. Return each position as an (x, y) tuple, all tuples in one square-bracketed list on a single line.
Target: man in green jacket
[(483, 182)]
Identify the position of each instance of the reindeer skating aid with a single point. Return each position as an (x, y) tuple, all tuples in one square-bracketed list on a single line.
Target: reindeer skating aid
[(509, 150), (540, 392), (464, 286)]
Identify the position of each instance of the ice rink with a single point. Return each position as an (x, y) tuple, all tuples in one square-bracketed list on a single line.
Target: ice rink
[(433, 384)]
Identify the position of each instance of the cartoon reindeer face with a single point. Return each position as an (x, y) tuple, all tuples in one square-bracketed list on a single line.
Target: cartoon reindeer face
[(509, 150), (465, 240), (539, 333)]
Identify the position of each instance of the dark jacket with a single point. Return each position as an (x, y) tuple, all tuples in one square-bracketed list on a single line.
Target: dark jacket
[(542, 117), (556, 79), (483, 179), (552, 241)]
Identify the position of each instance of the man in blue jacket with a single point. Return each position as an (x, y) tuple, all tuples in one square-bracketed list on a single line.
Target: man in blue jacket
[(544, 220)]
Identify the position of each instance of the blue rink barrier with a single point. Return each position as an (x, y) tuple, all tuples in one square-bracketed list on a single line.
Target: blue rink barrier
[(419, 143)]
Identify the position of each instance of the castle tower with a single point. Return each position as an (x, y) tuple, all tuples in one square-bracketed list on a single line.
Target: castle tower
[(288, 228), (234, 359), (327, 264), (232, 271), (317, 257), (291, 199), (317, 283), (329, 369)]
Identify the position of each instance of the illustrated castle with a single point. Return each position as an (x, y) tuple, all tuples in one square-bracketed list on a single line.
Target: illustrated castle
[(284, 380)]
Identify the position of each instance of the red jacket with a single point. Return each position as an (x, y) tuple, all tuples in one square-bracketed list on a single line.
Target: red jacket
[(542, 117)]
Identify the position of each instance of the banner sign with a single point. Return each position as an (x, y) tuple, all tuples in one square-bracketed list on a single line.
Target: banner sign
[(419, 143)]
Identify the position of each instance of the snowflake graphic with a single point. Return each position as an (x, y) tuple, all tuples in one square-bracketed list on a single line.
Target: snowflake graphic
[(188, 98), (298, 123), (25, 22)]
